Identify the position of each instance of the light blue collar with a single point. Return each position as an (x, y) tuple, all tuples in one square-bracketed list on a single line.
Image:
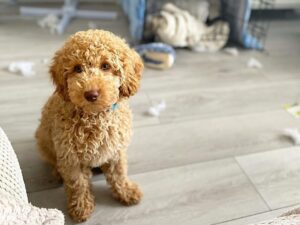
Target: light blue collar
[(114, 107)]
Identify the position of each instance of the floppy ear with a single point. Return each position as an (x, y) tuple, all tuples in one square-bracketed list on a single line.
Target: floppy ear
[(57, 75), (133, 67)]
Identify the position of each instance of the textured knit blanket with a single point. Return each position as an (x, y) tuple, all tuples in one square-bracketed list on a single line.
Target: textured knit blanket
[(14, 206), (15, 212)]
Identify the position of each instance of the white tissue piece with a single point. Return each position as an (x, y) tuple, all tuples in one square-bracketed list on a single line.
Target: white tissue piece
[(157, 109), (254, 63), (45, 61), (92, 25), (25, 68), (292, 133), (231, 51), (50, 21)]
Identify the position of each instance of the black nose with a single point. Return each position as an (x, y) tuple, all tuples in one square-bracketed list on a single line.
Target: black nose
[(92, 95)]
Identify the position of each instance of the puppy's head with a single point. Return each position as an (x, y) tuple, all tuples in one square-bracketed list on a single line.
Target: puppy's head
[(94, 69)]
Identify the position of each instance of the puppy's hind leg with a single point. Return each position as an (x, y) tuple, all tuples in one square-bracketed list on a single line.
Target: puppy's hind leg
[(47, 152)]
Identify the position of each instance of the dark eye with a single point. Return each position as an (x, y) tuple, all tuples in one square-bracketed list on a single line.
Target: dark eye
[(105, 66), (77, 69)]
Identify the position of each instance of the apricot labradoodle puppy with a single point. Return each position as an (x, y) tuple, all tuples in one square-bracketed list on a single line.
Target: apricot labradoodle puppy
[(86, 123)]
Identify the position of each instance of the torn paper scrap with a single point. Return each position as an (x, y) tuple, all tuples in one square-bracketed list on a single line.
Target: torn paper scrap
[(25, 68), (92, 25), (45, 61), (231, 51), (50, 21), (292, 133), (157, 109), (254, 63)]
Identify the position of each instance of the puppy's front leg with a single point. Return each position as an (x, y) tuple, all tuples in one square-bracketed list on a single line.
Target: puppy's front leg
[(77, 185), (124, 190)]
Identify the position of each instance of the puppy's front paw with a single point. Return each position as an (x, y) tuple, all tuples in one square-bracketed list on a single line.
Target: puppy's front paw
[(81, 208), (129, 194)]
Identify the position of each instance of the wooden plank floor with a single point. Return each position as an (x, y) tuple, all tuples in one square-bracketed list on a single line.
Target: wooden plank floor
[(215, 155)]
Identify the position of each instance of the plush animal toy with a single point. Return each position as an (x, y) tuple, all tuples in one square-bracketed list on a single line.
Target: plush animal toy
[(179, 28), (157, 55)]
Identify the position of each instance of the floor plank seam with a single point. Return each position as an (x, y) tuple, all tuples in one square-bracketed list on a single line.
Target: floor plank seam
[(208, 117), (242, 217), (270, 150), (101, 177), (268, 83), (252, 184), (256, 214), (289, 206), (178, 166)]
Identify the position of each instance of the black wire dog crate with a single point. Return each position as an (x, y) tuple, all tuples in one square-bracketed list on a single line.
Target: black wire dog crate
[(247, 25)]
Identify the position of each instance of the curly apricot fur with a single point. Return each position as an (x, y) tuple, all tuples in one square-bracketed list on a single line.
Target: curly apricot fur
[(76, 135)]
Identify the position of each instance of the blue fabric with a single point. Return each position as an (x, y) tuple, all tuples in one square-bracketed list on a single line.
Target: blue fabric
[(155, 47), (114, 107), (135, 10), (165, 51), (150, 60), (237, 13)]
